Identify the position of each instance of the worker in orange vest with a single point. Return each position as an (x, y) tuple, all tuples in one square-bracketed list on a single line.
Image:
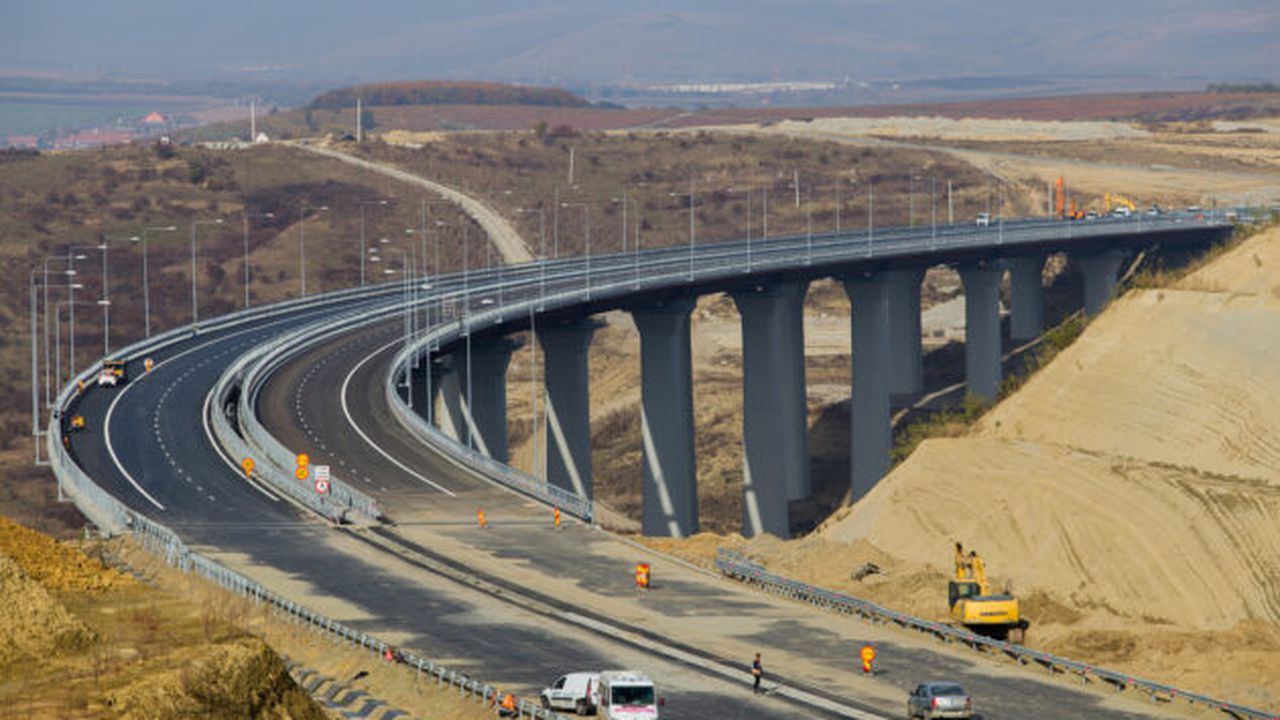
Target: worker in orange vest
[(557, 518), (480, 521), (868, 655), (508, 707)]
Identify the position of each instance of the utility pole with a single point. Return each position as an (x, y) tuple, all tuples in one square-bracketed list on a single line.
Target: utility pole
[(359, 122), (795, 184), (951, 216)]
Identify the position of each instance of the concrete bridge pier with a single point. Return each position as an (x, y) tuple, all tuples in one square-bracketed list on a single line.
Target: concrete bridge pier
[(871, 432), (982, 327), (1099, 270), (567, 431), (775, 429), (906, 352), (1026, 295), (477, 409), (670, 494), (452, 420)]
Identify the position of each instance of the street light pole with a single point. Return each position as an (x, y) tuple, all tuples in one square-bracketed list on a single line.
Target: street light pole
[(363, 205), (586, 229), (195, 310), (146, 285), (692, 236), (302, 246), (248, 215)]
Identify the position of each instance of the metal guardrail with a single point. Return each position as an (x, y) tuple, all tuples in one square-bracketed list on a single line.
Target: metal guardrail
[(114, 518), (273, 460), (736, 565)]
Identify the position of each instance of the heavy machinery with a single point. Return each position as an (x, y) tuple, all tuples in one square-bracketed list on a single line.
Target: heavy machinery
[(974, 606), (1064, 206), (1118, 203)]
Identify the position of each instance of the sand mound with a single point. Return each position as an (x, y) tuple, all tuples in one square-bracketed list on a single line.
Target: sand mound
[(239, 678), (33, 625), (1137, 540), (1135, 475), (57, 567)]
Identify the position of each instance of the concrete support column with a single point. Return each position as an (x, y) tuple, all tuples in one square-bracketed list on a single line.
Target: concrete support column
[(1026, 296), (487, 395), (1099, 270), (479, 421), (906, 352), (567, 432), (982, 328), (418, 386), (871, 433), (666, 386), (775, 429), (452, 387)]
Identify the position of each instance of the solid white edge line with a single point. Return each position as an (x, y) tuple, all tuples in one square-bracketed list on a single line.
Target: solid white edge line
[(346, 411)]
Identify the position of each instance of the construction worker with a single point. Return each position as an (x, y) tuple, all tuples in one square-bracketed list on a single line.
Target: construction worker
[(757, 674), (557, 518), (480, 520), (868, 656), (508, 706), (77, 422)]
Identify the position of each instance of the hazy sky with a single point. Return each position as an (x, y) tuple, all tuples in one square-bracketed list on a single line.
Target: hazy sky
[(657, 40)]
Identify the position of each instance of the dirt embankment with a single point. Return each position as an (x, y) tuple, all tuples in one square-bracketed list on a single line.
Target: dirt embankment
[(79, 639), (1128, 491)]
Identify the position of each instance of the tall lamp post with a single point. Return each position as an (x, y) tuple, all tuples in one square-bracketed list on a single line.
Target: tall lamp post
[(692, 223), (146, 285), (246, 215), (72, 256), (195, 310), (364, 204), (542, 250), (586, 225), (302, 245)]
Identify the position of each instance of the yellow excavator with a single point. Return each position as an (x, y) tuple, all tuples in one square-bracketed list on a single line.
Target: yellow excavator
[(1114, 202), (975, 607)]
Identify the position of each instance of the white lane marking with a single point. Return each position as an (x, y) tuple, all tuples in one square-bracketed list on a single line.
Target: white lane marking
[(346, 411), (106, 423), (235, 469)]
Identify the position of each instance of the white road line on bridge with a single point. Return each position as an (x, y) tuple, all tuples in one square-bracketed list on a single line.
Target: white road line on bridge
[(106, 422), (235, 469), (346, 411)]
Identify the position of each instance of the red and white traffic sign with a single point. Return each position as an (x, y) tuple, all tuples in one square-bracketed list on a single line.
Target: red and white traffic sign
[(322, 486)]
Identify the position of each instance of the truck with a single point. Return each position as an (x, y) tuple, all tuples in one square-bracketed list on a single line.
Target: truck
[(575, 691), (626, 695), (113, 373)]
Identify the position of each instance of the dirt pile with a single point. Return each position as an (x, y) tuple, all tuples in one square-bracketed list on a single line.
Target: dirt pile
[(57, 567), (243, 678), (34, 625)]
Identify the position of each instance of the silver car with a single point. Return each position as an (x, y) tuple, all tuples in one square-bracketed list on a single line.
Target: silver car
[(939, 700)]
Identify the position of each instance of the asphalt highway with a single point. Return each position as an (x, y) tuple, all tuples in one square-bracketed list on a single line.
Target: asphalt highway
[(162, 464)]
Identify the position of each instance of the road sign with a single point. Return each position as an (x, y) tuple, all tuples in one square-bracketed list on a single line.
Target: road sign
[(301, 473), (303, 460), (247, 464), (321, 472), (322, 486)]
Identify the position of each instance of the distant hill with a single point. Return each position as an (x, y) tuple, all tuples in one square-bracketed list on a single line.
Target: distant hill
[(442, 92)]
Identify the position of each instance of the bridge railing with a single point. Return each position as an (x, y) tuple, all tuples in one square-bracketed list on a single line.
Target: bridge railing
[(114, 517), (737, 566)]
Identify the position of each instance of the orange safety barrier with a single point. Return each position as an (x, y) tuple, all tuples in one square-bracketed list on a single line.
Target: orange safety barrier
[(643, 577)]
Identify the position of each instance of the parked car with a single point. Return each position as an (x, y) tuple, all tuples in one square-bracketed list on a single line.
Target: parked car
[(984, 219), (575, 691), (939, 700)]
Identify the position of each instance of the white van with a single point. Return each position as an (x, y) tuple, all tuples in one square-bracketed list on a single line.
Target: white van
[(984, 219), (626, 695), (575, 691)]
